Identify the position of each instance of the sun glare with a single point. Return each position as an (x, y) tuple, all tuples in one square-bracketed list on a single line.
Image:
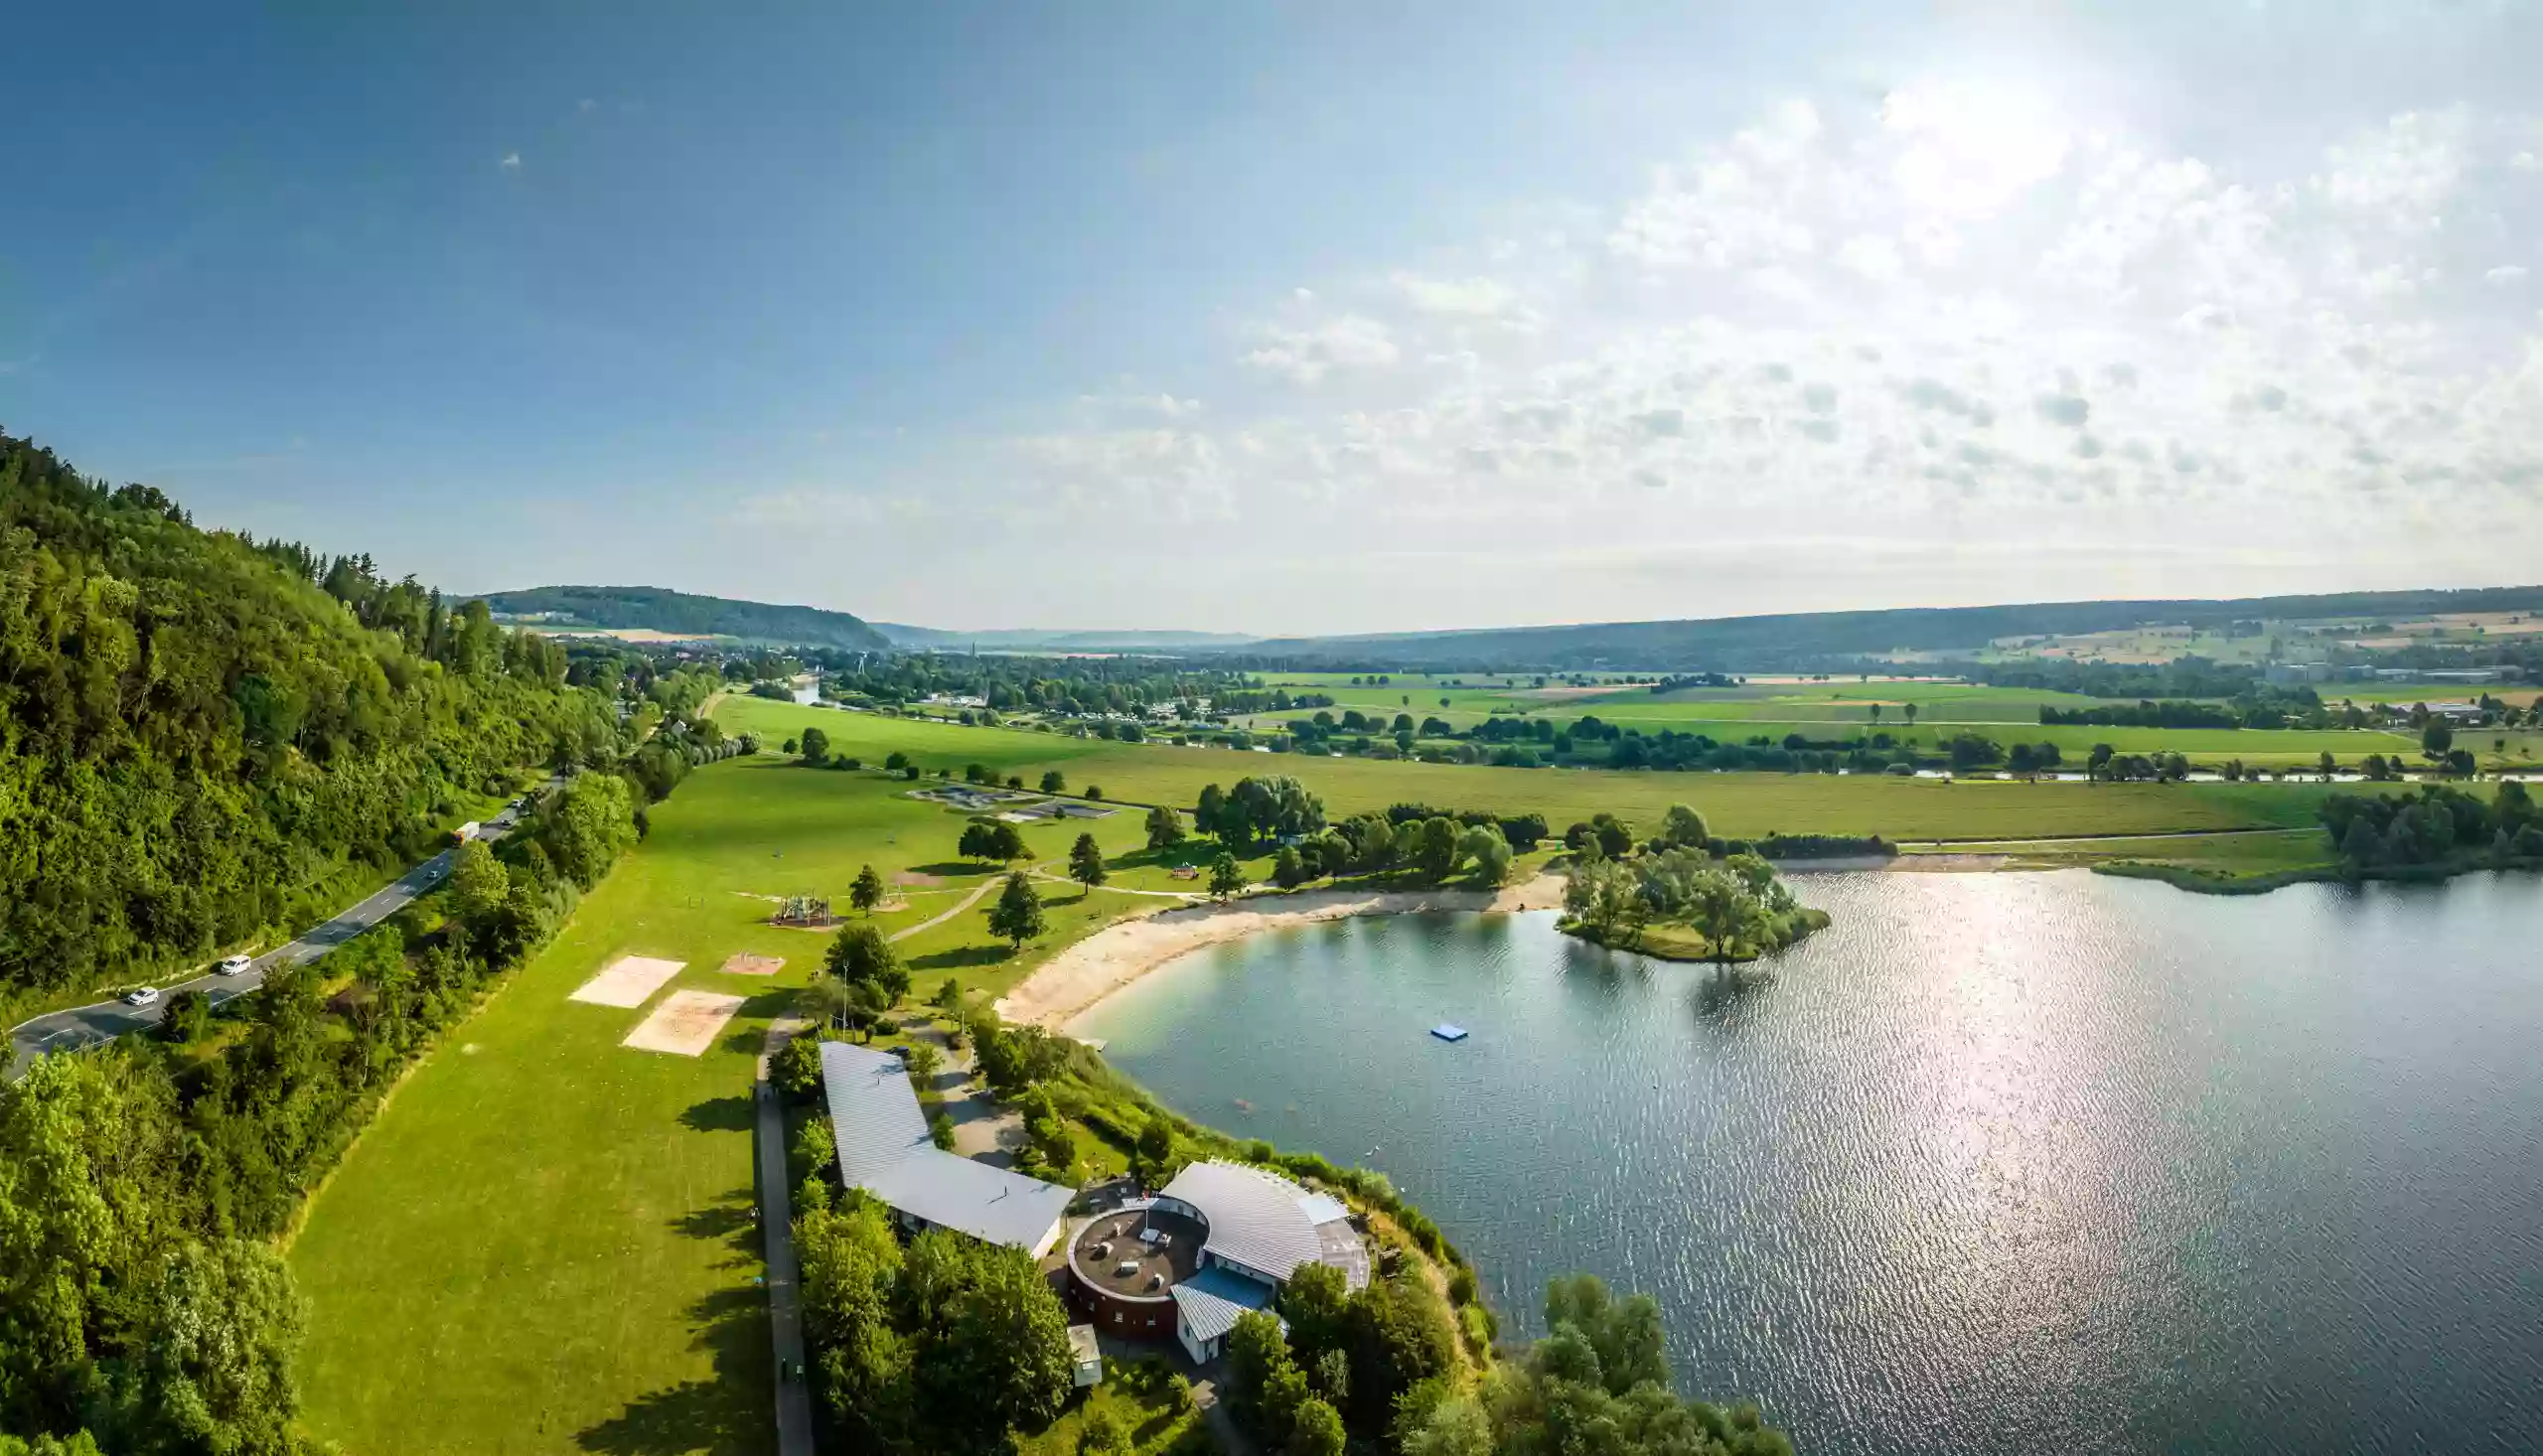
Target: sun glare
[(1969, 148)]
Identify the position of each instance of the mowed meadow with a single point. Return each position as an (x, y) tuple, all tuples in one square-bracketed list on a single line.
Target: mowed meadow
[(543, 1242), (1842, 708), (1736, 804)]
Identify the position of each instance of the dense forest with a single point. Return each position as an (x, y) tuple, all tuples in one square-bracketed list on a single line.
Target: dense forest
[(207, 740), (681, 613)]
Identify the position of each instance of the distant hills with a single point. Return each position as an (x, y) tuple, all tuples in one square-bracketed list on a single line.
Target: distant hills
[(1797, 640), (682, 615), (1787, 641), (1024, 639)]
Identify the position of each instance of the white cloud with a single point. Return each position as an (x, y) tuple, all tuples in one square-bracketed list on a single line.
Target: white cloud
[(511, 162), (1872, 257), (1481, 297), (1957, 322), (1165, 405), (1305, 356)]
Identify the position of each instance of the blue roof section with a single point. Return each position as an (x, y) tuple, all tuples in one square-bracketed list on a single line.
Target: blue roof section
[(1212, 1299), (885, 1148)]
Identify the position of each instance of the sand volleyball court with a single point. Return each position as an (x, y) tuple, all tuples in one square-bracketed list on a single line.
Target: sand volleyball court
[(684, 1024), (745, 963), (626, 981)]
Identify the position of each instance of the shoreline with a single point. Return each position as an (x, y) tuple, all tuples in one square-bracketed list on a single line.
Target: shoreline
[(1071, 983), (1083, 975)]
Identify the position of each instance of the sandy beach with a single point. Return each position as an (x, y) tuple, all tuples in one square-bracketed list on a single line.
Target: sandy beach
[(1121, 953)]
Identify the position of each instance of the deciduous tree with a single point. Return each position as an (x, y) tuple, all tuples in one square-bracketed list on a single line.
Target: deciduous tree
[(1086, 862), (1017, 914)]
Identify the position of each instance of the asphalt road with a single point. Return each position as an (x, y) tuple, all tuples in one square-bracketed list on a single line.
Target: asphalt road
[(777, 1226), (89, 1026)]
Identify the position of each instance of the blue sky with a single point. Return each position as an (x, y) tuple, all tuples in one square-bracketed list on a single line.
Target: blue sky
[(1296, 319)]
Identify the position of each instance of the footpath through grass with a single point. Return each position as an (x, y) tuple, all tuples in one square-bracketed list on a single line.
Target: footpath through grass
[(1741, 805), (544, 1244)]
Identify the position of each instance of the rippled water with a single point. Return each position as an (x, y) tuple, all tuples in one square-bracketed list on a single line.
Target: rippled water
[(1998, 1163)]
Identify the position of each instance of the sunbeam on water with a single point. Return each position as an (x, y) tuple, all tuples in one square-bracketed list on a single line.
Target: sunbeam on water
[(1998, 1163)]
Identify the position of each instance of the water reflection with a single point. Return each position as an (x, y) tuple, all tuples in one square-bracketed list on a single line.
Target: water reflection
[(2007, 1163)]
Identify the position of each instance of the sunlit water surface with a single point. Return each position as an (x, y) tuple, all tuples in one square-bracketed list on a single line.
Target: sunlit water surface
[(2024, 1163)]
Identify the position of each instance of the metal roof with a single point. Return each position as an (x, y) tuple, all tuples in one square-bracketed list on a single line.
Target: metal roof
[(1265, 1223), (1212, 1299), (884, 1150)]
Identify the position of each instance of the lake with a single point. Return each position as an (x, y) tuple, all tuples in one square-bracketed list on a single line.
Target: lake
[(2009, 1163)]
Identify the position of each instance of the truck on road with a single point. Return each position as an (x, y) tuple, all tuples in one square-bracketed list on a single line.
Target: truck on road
[(467, 831)]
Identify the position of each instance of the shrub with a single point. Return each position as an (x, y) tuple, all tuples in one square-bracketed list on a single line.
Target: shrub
[(796, 1067)]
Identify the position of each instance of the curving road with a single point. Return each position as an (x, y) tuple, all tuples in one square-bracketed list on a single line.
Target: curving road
[(89, 1026)]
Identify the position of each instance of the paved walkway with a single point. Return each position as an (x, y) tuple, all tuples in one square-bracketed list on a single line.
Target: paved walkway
[(89, 1026), (1050, 878), (965, 903), (777, 1226)]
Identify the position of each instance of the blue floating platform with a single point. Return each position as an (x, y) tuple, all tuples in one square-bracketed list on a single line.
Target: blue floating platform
[(1449, 1031)]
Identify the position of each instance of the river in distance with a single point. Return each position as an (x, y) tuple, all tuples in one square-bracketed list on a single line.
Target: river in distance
[(2008, 1163)]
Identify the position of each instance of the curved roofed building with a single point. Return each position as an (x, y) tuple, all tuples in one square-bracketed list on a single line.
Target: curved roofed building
[(884, 1147), (1221, 1239)]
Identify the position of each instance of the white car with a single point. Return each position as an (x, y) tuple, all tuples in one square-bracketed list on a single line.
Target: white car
[(231, 965), (146, 996)]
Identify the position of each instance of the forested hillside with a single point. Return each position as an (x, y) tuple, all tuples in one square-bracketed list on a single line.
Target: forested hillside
[(681, 613), (203, 737)]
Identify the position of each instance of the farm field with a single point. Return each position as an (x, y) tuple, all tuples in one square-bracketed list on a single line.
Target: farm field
[(1738, 805), (543, 1244), (2007, 715)]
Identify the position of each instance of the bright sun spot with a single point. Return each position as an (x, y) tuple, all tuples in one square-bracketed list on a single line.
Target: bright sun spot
[(1972, 148)]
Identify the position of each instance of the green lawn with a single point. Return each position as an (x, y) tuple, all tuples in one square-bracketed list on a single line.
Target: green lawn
[(1843, 708), (542, 1245), (1740, 804), (1140, 1397)]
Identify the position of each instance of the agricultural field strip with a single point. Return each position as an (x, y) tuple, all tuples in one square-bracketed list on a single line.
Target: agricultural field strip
[(1739, 803)]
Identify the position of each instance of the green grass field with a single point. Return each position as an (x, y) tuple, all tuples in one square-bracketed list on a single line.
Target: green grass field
[(543, 1244), (1739, 804), (1843, 708)]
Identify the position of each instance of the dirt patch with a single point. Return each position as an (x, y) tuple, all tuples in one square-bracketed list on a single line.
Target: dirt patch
[(1121, 953), (626, 981), (916, 881), (748, 964), (684, 1024)]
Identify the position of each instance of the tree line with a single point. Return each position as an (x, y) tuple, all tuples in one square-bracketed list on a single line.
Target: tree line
[(205, 740), (2434, 826), (144, 1306)]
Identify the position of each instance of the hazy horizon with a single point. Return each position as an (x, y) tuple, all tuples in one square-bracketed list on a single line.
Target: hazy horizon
[(1302, 321)]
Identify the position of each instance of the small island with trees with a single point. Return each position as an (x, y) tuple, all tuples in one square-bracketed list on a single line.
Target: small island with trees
[(1682, 895)]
